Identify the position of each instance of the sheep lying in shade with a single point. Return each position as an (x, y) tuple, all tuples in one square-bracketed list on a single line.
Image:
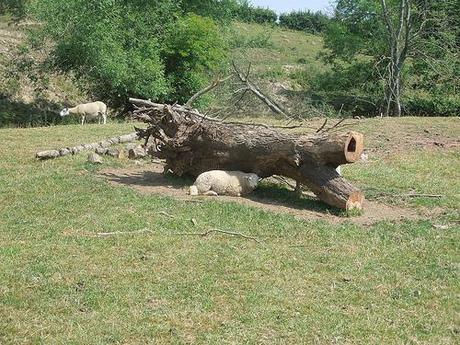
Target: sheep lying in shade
[(88, 111), (219, 182)]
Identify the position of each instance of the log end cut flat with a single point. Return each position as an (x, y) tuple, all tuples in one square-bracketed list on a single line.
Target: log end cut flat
[(354, 146), (355, 201)]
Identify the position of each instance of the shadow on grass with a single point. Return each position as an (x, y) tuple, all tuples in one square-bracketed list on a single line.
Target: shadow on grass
[(275, 194), (267, 193), (20, 114)]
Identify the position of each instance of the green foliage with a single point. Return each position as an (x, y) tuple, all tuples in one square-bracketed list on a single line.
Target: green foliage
[(220, 10), (358, 54), (425, 104), (248, 13), (15, 7), (312, 22), (193, 49), (131, 48)]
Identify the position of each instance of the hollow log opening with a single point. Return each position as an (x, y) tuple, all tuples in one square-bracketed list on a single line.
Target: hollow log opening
[(192, 143)]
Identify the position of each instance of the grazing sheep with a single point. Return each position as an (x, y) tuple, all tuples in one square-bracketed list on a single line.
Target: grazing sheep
[(219, 182), (89, 111)]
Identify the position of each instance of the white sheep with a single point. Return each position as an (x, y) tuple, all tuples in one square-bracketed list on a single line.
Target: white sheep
[(89, 111), (220, 182)]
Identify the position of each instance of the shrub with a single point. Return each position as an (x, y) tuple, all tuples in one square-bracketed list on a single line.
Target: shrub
[(193, 49), (250, 14), (134, 48), (312, 22)]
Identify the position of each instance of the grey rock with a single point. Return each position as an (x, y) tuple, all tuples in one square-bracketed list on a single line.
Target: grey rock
[(127, 138), (115, 140), (116, 153), (105, 143), (47, 154), (75, 150), (136, 153), (101, 150), (131, 146), (94, 158), (64, 152)]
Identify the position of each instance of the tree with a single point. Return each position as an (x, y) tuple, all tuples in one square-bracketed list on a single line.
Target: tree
[(381, 36), (123, 48)]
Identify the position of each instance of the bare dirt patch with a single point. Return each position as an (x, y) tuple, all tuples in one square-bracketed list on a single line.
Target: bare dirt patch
[(149, 179)]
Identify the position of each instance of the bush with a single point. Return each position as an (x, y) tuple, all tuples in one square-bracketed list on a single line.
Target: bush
[(15, 7), (135, 48), (193, 49), (312, 22), (250, 14), (431, 105)]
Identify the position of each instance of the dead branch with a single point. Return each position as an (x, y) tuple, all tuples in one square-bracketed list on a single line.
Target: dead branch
[(210, 87), (208, 232), (256, 91), (116, 233)]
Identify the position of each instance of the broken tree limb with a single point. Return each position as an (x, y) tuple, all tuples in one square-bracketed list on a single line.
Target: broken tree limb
[(191, 144), (49, 154), (200, 93), (275, 107)]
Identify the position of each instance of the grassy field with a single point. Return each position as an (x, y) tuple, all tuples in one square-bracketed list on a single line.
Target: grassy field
[(309, 282)]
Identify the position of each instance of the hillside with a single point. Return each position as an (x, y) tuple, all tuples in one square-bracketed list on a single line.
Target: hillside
[(276, 55)]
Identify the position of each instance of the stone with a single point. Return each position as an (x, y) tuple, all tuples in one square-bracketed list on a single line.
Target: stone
[(131, 146), (47, 154), (137, 152), (116, 153), (75, 150), (64, 152), (101, 150), (105, 143), (94, 158), (115, 140), (127, 138)]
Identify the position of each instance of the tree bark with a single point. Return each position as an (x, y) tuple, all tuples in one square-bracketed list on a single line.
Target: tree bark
[(104, 144), (191, 144), (398, 45)]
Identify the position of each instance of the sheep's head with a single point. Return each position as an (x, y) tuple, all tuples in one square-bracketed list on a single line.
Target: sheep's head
[(253, 180), (64, 112)]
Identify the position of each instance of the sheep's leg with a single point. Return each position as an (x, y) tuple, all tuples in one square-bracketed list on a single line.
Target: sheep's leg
[(298, 188), (210, 193), (104, 117), (82, 120)]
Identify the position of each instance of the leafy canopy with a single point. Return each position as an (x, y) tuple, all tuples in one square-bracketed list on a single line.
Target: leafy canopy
[(132, 47), (359, 54)]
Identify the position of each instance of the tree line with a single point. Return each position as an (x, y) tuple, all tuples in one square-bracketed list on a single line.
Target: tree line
[(392, 57), (387, 57)]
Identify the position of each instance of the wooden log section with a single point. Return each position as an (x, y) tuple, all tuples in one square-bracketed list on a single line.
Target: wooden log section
[(191, 144), (64, 151)]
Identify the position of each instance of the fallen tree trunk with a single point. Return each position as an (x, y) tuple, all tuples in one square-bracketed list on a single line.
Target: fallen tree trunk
[(192, 143)]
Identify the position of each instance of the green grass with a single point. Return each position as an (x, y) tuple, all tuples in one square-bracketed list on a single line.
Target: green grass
[(308, 282)]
